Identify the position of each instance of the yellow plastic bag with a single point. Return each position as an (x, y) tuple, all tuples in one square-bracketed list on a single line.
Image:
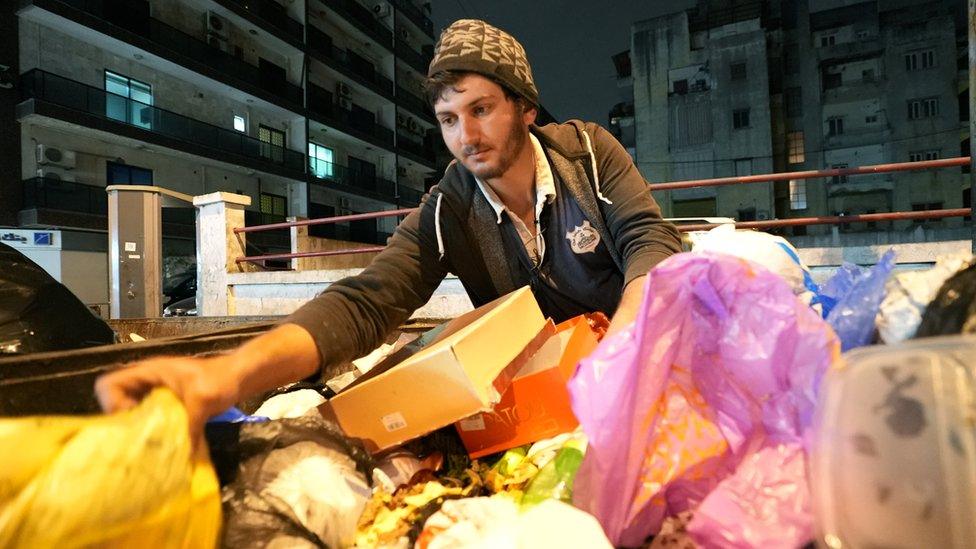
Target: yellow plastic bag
[(121, 480)]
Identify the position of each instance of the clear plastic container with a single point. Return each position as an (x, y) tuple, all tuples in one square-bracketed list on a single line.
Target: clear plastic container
[(893, 458)]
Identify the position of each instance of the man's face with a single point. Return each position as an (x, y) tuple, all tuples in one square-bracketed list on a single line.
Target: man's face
[(482, 128)]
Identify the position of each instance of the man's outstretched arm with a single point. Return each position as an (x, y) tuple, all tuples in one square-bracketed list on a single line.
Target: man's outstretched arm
[(208, 386)]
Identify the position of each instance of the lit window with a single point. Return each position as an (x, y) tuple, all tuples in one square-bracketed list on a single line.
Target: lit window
[(240, 124), (798, 194), (320, 160), (797, 149)]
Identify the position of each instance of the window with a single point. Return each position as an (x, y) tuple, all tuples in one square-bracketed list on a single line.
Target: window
[(738, 71), (919, 60), (835, 126), (791, 59), (867, 75), (273, 204), (798, 194), (872, 119), (920, 207), (828, 40), (832, 80), (838, 179), (794, 102), (128, 100), (740, 119), (123, 174), (240, 124), (681, 86), (320, 160), (919, 156), (272, 143), (797, 149), (923, 108)]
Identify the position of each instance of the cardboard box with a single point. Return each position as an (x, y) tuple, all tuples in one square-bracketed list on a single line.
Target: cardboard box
[(537, 404), (465, 369)]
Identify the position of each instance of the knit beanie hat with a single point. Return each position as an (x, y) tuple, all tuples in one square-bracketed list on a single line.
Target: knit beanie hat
[(475, 46)]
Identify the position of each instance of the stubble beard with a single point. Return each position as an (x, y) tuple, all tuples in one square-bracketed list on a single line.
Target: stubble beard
[(510, 150)]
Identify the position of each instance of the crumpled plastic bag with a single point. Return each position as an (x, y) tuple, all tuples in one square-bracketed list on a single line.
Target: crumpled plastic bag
[(771, 251), (291, 404), (909, 293), (722, 364), (290, 482), (123, 480), (488, 522), (852, 298)]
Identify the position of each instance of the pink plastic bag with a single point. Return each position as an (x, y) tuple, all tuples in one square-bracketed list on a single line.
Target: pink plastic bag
[(707, 397)]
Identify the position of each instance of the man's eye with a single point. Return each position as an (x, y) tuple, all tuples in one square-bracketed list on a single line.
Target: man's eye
[(480, 110), (447, 121)]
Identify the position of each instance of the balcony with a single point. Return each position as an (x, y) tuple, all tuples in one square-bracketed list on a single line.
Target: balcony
[(409, 196), (415, 15), (348, 63), (412, 57), (414, 104), (278, 240), (415, 150), (181, 48), (55, 194), (108, 112), (362, 19), (341, 178), (268, 14), (357, 121)]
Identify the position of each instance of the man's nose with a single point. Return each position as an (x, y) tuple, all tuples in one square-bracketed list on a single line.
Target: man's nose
[(470, 131)]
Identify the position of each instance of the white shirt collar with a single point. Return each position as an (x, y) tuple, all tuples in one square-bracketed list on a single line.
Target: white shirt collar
[(545, 186)]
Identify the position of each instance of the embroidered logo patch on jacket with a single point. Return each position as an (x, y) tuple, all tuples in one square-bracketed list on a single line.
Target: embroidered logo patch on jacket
[(583, 238)]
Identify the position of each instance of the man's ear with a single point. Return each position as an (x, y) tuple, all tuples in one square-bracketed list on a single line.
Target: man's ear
[(529, 113)]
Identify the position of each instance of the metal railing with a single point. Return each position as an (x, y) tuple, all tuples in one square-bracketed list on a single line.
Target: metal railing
[(192, 49), (363, 19), (411, 56), (764, 178), (339, 177), (56, 194), (274, 14), (414, 14), (364, 72), (416, 105), (44, 86), (411, 146), (363, 126)]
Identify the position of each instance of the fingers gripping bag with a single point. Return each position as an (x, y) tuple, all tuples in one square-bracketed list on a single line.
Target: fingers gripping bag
[(703, 405)]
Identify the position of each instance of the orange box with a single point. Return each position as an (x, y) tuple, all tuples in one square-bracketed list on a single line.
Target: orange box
[(536, 405)]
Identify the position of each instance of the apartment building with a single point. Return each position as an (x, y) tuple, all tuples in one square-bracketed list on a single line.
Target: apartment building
[(311, 108), (741, 87)]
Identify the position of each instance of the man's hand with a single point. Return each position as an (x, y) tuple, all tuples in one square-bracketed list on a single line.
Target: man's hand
[(208, 386), (629, 306)]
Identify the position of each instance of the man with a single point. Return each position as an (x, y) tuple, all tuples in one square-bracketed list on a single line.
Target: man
[(560, 208)]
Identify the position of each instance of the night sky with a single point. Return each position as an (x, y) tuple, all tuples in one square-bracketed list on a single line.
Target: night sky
[(569, 44)]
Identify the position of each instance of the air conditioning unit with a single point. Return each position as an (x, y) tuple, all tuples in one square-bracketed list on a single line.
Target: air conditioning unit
[(344, 207), (218, 42), (52, 156), (404, 34), (401, 171), (217, 25), (762, 215), (345, 103), (381, 10), (412, 125), (48, 173), (342, 89), (401, 121)]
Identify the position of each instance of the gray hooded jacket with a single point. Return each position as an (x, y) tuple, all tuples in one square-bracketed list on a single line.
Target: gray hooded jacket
[(455, 230)]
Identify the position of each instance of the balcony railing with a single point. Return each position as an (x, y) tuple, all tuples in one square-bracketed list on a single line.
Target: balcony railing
[(415, 104), (357, 122), (413, 13), (342, 178), (409, 196), (51, 88), (55, 194), (348, 63), (363, 19), (409, 145), (411, 56), (274, 14), (194, 50)]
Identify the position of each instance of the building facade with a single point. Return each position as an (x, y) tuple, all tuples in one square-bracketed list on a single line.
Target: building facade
[(746, 87), (311, 108)]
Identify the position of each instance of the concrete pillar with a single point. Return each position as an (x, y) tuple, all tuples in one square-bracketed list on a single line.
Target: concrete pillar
[(299, 244), (217, 249)]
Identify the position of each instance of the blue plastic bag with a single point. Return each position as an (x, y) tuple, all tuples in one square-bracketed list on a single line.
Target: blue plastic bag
[(852, 298)]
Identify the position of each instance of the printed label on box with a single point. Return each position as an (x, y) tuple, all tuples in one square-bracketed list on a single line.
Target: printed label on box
[(394, 422), (130, 246), (473, 423)]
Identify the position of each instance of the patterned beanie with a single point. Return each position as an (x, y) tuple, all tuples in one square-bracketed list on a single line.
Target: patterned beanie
[(475, 46)]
